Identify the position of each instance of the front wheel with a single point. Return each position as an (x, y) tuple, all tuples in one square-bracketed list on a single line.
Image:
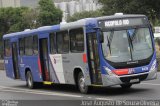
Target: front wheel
[(126, 86), (29, 80), (81, 84)]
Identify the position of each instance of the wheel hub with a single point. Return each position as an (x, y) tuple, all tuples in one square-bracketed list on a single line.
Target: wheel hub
[(29, 81), (82, 83)]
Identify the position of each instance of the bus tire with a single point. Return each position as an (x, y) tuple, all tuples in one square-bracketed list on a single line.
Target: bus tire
[(126, 86), (29, 80), (83, 88)]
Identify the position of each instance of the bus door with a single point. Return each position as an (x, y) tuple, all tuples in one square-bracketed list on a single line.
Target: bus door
[(93, 59), (43, 46), (15, 60)]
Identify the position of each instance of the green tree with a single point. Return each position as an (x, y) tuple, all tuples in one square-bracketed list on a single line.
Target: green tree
[(84, 14), (150, 8), (31, 19), (48, 13), (11, 20)]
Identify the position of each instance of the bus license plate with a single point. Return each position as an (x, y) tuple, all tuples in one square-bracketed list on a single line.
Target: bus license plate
[(134, 80)]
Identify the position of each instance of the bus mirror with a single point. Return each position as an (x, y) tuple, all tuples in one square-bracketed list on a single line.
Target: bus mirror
[(101, 38)]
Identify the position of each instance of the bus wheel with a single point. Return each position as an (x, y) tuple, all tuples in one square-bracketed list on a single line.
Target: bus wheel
[(29, 80), (126, 86), (81, 84)]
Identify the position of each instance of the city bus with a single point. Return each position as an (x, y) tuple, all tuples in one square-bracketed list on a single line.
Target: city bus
[(102, 51)]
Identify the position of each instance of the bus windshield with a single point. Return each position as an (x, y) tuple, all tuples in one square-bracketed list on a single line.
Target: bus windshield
[(127, 45)]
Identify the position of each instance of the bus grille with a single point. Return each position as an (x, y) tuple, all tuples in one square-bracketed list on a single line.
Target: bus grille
[(127, 79)]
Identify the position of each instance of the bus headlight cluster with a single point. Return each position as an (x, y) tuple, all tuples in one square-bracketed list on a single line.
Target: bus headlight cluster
[(109, 72), (153, 67)]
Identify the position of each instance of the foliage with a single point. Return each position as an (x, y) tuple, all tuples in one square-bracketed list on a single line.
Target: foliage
[(31, 19), (150, 8), (11, 19), (156, 22), (48, 13), (84, 14), (20, 18)]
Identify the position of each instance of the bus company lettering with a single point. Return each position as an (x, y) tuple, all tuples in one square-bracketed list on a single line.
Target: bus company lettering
[(116, 23), (54, 61)]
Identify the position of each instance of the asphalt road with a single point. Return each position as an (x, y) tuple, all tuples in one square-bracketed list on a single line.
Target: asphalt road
[(17, 90)]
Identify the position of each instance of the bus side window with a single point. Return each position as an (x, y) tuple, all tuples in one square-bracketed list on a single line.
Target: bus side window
[(62, 42), (21, 46), (28, 46), (77, 40), (7, 48), (35, 44), (52, 43)]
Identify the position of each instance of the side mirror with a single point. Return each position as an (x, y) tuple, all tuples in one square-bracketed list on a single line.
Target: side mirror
[(101, 37)]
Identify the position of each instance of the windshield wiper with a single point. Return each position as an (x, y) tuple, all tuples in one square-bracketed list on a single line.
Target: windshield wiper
[(130, 41), (110, 40), (132, 37)]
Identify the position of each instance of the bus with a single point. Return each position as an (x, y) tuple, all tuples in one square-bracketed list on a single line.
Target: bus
[(102, 51)]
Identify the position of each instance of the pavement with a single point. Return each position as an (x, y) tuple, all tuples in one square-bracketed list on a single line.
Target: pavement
[(16, 90)]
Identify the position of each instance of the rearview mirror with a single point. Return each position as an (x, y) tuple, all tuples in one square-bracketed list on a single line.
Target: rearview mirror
[(101, 38)]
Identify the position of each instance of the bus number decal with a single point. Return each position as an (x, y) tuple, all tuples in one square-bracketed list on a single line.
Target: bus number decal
[(144, 68), (21, 65), (54, 61), (6, 61)]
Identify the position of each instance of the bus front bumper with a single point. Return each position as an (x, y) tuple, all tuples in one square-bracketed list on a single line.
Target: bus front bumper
[(128, 79)]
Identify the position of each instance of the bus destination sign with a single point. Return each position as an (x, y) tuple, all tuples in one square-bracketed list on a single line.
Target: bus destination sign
[(116, 23)]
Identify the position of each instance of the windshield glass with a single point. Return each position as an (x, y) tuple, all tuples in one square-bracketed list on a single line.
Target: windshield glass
[(127, 45)]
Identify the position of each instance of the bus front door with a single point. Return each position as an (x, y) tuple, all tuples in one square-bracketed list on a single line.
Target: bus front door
[(15, 60), (93, 59), (43, 46)]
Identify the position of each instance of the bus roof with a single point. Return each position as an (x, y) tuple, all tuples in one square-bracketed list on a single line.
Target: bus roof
[(70, 25), (33, 31), (120, 16), (86, 21), (63, 26)]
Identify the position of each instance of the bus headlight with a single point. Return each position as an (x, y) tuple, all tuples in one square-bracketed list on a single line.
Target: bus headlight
[(109, 72), (153, 67)]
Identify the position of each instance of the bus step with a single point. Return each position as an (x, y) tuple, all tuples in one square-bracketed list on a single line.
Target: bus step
[(47, 83)]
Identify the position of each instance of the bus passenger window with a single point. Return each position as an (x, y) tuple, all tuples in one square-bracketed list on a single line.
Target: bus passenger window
[(77, 40), (21, 46), (35, 44), (52, 43), (63, 42), (7, 47), (28, 46)]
